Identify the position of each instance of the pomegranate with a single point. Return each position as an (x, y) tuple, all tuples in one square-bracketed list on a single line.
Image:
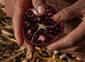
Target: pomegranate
[(41, 30)]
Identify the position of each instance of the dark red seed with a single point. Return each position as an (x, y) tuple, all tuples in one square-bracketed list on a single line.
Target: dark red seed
[(35, 39), (53, 30)]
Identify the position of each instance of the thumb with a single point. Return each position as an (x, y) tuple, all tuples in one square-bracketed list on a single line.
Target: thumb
[(72, 39), (39, 5), (17, 23), (70, 12)]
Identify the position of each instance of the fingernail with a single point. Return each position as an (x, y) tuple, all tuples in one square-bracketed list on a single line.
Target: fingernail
[(56, 18), (41, 10)]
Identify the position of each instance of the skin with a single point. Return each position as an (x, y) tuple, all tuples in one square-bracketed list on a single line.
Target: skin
[(15, 14), (73, 42)]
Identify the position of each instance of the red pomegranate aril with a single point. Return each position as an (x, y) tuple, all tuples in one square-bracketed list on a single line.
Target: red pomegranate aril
[(35, 39), (51, 10), (48, 38), (27, 16), (41, 30), (35, 28), (39, 41), (53, 30), (30, 12), (49, 22), (29, 38), (49, 14), (39, 20)]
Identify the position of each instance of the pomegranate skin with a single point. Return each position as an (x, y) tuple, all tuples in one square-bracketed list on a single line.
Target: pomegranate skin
[(41, 30)]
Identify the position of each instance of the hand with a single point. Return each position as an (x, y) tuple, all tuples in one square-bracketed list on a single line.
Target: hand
[(67, 41), (74, 42), (14, 9)]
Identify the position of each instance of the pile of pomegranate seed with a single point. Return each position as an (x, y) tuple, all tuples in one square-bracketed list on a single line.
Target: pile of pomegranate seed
[(41, 30)]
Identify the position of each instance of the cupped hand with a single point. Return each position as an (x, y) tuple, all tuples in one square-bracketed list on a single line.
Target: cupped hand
[(71, 43), (14, 9), (74, 42)]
